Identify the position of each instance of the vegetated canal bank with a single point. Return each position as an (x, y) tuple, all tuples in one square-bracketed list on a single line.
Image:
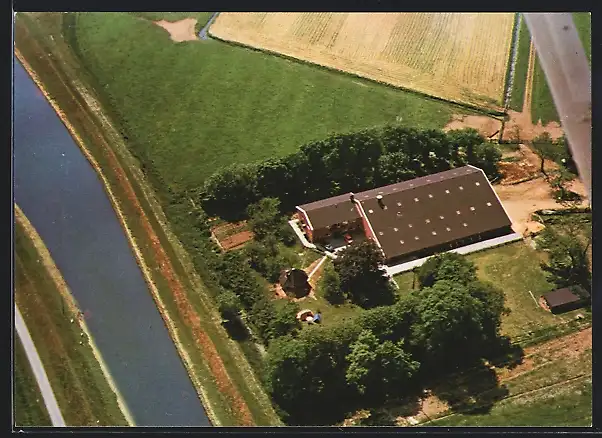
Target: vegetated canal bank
[(61, 194)]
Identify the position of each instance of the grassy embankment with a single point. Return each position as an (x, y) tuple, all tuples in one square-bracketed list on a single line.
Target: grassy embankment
[(521, 67), (209, 355), (83, 393), (543, 106), (29, 409)]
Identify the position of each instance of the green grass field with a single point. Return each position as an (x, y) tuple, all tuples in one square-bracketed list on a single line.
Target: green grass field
[(189, 108), (81, 389), (515, 269), (517, 96), (543, 106), (29, 409)]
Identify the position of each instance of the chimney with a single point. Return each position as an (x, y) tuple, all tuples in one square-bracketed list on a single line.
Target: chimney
[(380, 201), (352, 197)]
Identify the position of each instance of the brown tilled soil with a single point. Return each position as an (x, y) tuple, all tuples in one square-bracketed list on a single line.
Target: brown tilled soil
[(232, 235), (487, 126), (236, 241), (179, 31)]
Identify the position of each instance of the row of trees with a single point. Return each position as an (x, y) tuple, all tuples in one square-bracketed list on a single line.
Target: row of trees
[(387, 352), (343, 163)]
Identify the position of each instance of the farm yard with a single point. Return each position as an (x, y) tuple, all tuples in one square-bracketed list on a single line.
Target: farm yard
[(461, 57), (187, 108)]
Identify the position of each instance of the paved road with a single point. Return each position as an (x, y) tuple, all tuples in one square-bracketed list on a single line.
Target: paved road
[(38, 370)]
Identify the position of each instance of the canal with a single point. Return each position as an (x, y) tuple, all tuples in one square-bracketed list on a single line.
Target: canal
[(63, 197)]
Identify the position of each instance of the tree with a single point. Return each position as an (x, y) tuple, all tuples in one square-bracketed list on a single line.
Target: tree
[(542, 144), (447, 266), (229, 305), (264, 217), (284, 320), (305, 376), (487, 157), (331, 286), (393, 167), (230, 190), (450, 326), (362, 278), (567, 263), (378, 368), (558, 180)]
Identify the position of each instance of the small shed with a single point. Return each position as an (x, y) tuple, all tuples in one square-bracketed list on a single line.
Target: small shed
[(295, 281), (566, 299)]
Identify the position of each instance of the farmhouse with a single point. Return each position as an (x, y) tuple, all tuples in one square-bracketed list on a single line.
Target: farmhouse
[(416, 218), (322, 219), (565, 299)]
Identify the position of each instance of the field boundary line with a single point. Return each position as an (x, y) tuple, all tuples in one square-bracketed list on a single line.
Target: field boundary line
[(72, 304), (494, 113)]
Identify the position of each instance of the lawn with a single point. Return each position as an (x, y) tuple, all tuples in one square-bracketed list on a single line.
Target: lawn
[(331, 313), (29, 409), (81, 389), (515, 268), (543, 106), (192, 107), (517, 96)]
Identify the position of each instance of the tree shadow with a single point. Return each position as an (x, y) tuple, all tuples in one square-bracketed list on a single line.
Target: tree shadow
[(473, 392), (505, 354), (236, 330)]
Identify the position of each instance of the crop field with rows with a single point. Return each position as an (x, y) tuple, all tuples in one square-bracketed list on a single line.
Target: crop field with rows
[(461, 57)]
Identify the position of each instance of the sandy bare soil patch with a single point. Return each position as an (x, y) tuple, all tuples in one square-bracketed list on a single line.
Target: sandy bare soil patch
[(487, 126), (526, 164), (522, 200), (456, 56), (179, 31)]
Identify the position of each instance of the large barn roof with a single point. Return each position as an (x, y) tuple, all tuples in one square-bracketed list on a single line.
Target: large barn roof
[(432, 210), (420, 213), (330, 211)]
